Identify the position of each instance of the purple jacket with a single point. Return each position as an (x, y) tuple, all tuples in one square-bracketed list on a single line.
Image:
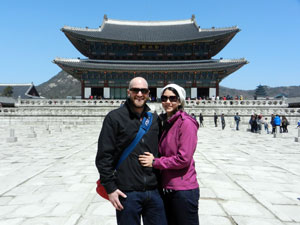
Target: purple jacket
[(177, 147)]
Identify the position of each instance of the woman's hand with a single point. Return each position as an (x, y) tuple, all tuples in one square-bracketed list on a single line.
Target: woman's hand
[(146, 159)]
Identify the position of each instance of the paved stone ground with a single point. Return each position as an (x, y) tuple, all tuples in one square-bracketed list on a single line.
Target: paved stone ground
[(245, 178)]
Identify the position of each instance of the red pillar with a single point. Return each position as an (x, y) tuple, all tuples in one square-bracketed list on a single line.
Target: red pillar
[(217, 88)]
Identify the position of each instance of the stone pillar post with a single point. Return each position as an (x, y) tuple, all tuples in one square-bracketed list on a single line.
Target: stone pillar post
[(32, 133), (297, 139), (11, 137)]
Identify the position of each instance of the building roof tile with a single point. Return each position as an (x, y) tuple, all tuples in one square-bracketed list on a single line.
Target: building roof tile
[(149, 31)]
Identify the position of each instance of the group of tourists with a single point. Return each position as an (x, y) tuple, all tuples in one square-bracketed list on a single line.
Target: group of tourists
[(223, 122), (145, 160), (257, 123)]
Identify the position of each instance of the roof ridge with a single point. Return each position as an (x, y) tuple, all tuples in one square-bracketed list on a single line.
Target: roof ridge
[(149, 23), (29, 84)]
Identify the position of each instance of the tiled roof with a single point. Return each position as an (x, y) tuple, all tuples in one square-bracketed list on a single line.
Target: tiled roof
[(87, 64), (152, 32), (22, 90)]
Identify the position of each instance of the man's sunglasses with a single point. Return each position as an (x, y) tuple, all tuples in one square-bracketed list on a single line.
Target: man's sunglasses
[(142, 90), (171, 98)]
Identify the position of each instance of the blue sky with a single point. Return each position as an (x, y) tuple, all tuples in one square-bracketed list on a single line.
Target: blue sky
[(269, 37)]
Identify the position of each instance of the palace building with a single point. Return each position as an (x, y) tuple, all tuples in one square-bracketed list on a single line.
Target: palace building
[(162, 52)]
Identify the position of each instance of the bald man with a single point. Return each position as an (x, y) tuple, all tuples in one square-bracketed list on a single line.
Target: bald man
[(132, 189)]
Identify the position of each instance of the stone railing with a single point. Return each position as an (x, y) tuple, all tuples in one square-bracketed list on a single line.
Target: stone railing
[(236, 103), (118, 102), (68, 102), (93, 111)]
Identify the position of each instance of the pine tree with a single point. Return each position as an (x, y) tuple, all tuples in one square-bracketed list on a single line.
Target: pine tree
[(8, 91)]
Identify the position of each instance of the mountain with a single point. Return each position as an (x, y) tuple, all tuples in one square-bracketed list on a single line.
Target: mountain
[(63, 85), (60, 86)]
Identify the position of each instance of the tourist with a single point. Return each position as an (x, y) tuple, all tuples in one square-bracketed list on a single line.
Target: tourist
[(259, 123), (177, 146), (277, 122), (216, 120), (201, 119), (193, 115), (223, 121), (237, 119), (273, 123), (298, 124), (284, 124), (253, 123), (266, 125), (132, 190)]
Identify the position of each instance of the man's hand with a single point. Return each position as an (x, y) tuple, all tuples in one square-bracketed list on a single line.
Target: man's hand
[(114, 199), (146, 159)]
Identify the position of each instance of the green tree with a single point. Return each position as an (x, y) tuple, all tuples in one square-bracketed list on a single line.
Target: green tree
[(8, 91)]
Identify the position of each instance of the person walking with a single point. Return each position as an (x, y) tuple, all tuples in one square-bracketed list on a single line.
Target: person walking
[(201, 119), (132, 189), (223, 121), (266, 125), (284, 124), (277, 123), (273, 124), (237, 119), (216, 120), (176, 147)]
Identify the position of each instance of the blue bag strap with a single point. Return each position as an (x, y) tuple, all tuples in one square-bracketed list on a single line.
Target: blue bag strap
[(145, 126)]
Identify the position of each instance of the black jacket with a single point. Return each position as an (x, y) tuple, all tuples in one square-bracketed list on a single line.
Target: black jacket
[(119, 128)]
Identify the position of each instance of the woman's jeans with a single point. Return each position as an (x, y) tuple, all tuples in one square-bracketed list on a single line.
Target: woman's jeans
[(182, 207), (145, 204)]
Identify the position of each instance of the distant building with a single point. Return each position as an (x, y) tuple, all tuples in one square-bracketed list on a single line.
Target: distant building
[(163, 52), (260, 92), (20, 90)]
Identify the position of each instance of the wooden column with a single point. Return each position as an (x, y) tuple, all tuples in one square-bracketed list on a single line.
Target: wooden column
[(82, 89)]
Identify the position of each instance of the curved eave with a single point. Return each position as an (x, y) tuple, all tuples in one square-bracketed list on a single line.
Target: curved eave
[(148, 66), (95, 35)]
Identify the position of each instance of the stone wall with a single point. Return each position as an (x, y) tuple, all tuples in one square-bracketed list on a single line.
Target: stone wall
[(65, 111)]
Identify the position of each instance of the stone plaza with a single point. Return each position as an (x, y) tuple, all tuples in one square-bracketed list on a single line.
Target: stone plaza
[(48, 175)]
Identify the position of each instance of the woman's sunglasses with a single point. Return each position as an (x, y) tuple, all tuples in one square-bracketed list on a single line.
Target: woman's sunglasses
[(142, 90), (171, 98)]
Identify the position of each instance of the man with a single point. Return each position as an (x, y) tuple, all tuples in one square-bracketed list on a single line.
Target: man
[(201, 119), (223, 121), (132, 189), (277, 122), (237, 120), (216, 120)]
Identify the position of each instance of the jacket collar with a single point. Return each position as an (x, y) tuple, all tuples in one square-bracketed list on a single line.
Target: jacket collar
[(130, 108)]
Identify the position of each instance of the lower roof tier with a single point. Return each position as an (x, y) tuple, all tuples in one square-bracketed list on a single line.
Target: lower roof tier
[(220, 68)]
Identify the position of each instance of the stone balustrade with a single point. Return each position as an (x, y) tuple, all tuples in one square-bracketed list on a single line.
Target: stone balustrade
[(237, 103), (68, 102), (93, 111), (118, 102)]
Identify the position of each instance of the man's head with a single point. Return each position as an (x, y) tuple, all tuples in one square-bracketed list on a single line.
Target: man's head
[(138, 92)]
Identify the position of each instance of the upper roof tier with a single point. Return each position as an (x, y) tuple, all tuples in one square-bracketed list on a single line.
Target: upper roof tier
[(149, 31)]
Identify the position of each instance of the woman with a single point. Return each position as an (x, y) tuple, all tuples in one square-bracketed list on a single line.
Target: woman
[(177, 146)]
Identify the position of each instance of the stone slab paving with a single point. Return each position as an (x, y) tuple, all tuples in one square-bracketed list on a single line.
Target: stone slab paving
[(245, 178)]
